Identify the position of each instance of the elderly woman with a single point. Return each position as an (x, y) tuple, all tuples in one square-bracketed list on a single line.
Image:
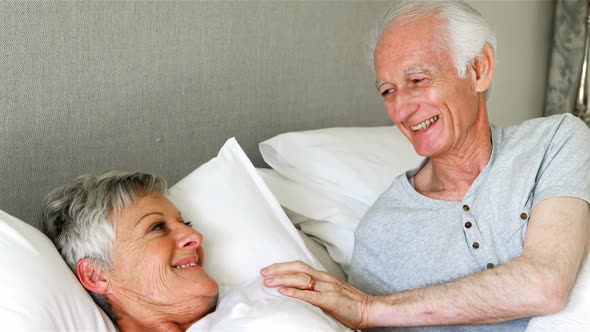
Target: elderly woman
[(131, 249)]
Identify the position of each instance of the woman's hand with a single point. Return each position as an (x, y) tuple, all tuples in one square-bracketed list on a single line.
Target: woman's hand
[(342, 301)]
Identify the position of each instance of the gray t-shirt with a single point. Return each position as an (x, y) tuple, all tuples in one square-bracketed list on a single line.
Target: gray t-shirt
[(407, 240)]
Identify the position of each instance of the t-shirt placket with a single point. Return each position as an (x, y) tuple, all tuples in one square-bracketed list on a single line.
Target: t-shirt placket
[(473, 238)]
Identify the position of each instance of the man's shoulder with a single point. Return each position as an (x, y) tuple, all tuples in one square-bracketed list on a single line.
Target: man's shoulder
[(559, 123), (544, 131), (398, 189)]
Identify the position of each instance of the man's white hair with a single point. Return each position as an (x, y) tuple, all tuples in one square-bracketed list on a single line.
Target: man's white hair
[(465, 33)]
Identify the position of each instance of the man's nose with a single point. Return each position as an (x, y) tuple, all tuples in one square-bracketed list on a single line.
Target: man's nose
[(402, 105)]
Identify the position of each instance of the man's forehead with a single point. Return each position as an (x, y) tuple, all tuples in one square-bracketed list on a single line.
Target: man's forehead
[(411, 54)]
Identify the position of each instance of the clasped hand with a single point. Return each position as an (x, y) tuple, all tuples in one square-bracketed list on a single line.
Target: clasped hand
[(345, 303)]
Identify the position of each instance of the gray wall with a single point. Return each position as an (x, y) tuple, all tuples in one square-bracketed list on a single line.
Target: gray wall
[(159, 86), (523, 29)]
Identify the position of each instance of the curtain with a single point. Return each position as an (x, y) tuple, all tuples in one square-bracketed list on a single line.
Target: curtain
[(569, 29)]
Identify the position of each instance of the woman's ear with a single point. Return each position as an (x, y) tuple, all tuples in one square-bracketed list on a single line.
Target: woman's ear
[(484, 69), (92, 276)]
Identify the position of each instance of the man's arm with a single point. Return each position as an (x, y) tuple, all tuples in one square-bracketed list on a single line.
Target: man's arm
[(536, 283)]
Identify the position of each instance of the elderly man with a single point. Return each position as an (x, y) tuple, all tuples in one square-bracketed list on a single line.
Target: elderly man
[(492, 227)]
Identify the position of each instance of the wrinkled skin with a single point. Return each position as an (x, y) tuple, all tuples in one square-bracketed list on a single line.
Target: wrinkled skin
[(145, 288), (342, 301)]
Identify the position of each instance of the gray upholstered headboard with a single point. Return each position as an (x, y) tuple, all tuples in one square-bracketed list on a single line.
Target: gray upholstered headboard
[(160, 86)]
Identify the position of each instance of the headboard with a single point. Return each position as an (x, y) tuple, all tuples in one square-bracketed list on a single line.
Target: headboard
[(160, 85)]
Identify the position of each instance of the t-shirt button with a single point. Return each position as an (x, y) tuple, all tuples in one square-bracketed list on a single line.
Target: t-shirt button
[(475, 245), (490, 266), (523, 216), (468, 224), (465, 207)]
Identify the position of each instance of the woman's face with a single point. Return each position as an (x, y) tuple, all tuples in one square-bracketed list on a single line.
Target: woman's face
[(156, 273)]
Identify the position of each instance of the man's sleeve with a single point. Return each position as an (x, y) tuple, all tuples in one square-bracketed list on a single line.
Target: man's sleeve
[(565, 170)]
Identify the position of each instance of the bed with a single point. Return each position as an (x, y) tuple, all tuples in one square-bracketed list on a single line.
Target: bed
[(253, 135)]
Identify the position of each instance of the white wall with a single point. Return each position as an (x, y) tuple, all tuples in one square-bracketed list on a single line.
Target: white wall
[(523, 29)]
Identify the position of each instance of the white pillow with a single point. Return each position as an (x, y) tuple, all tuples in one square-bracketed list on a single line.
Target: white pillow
[(329, 218), (332, 176), (243, 225), (39, 292), (576, 315), (356, 162), (245, 229)]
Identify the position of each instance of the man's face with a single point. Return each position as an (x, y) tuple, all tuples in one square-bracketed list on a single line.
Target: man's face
[(424, 96), (157, 263)]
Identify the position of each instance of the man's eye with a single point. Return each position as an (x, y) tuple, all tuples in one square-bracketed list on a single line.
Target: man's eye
[(157, 227), (418, 80), (387, 92), (188, 223)]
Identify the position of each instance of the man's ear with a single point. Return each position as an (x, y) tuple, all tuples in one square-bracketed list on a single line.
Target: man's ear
[(484, 69), (92, 276)]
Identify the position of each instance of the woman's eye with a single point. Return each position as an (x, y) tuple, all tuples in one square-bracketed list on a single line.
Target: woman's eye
[(188, 223), (157, 227)]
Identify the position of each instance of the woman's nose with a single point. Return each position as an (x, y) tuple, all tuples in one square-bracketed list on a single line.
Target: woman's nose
[(189, 238)]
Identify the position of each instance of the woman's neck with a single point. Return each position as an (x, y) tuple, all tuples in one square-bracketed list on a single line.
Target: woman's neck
[(132, 318), (130, 325)]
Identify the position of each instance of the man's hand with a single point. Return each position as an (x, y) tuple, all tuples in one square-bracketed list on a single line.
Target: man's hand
[(342, 301)]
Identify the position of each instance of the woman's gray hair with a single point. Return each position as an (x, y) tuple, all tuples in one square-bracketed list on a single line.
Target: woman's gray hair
[(75, 216), (466, 31)]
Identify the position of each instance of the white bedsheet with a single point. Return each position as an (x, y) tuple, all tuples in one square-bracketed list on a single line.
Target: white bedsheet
[(254, 307)]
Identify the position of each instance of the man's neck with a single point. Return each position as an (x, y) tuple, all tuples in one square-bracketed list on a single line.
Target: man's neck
[(449, 176)]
